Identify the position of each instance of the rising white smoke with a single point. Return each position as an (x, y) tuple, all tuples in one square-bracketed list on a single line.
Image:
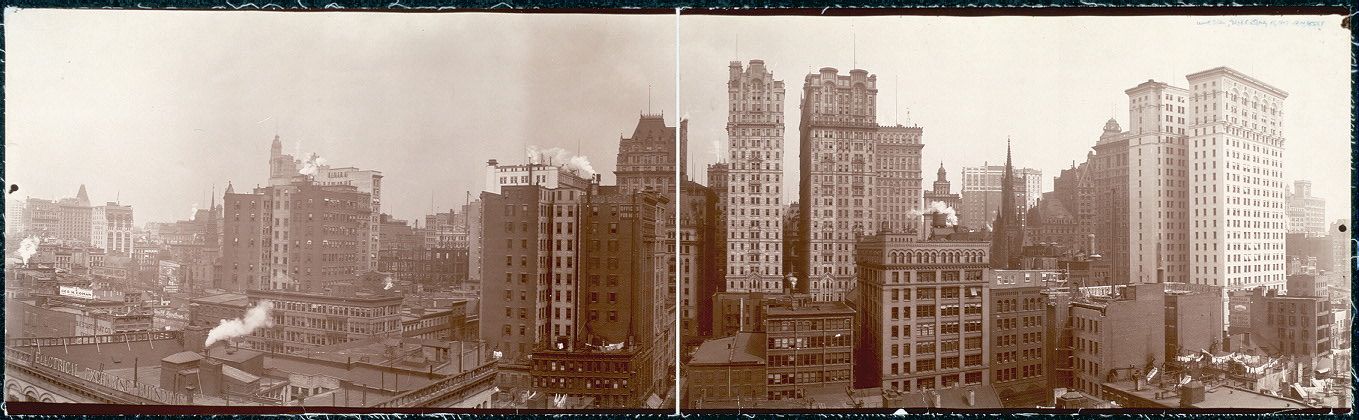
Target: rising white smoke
[(939, 207), (560, 157), (257, 316), (311, 164), (29, 247), (193, 212), (387, 283)]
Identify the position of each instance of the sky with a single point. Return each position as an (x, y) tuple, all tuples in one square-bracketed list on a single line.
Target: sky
[(1047, 83), (155, 108)]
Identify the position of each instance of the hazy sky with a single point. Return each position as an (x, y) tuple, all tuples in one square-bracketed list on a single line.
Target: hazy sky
[(158, 106), (1048, 83)]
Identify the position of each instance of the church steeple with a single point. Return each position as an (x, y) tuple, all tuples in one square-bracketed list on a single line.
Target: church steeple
[(1007, 241)]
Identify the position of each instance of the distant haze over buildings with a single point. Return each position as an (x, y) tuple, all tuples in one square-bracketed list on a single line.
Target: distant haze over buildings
[(155, 108)]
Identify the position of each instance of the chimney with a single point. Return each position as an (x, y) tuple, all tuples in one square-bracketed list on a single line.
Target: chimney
[(971, 398), (193, 338), (937, 403)]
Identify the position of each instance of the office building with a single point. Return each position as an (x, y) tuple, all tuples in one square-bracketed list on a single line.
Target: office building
[(923, 313)]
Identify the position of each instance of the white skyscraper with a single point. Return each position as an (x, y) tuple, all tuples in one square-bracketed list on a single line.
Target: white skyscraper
[(1237, 212), (755, 183)]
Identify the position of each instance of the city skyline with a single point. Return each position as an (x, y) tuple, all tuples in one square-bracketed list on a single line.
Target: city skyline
[(202, 110), (775, 238), (1067, 91), (238, 141)]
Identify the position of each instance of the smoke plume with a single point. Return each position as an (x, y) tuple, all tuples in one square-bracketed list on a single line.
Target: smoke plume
[(193, 212), (560, 157), (29, 247), (311, 164), (257, 316), (387, 283), (939, 207)]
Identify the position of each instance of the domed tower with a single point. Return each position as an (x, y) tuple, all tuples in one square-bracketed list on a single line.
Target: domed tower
[(941, 184), (1111, 129)]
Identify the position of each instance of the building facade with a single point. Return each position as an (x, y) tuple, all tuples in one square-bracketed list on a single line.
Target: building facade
[(303, 321), (942, 191), (838, 129), (325, 242), (754, 179), (809, 348), (365, 181), (1109, 168), (923, 314), (898, 184), (1019, 336), (1238, 215), (1306, 214), (981, 192), (647, 159), (1157, 185)]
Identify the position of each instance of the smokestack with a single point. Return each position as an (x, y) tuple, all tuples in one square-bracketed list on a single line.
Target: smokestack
[(937, 399), (971, 398)]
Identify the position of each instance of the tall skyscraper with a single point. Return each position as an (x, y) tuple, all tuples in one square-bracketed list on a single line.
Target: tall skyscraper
[(754, 179), (838, 130), (1306, 214), (1110, 173), (1158, 208), (1238, 215), (282, 168)]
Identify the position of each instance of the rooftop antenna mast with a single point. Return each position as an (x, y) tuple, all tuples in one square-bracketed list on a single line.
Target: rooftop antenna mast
[(854, 42), (897, 85), (648, 99)]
